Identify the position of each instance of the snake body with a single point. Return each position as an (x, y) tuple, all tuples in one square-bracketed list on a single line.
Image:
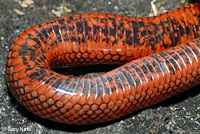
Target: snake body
[(160, 56)]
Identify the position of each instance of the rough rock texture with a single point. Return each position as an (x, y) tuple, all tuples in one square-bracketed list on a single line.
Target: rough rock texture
[(180, 114)]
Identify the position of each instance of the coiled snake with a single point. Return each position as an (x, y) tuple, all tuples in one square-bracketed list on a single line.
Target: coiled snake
[(162, 56)]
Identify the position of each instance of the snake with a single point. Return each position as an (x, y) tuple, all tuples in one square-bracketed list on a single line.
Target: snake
[(159, 57)]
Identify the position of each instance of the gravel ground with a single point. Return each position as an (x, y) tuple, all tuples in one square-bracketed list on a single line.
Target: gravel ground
[(179, 114)]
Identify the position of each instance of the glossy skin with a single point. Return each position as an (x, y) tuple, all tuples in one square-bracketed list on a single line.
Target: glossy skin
[(166, 49)]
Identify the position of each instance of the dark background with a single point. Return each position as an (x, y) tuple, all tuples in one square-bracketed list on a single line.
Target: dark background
[(180, 114)]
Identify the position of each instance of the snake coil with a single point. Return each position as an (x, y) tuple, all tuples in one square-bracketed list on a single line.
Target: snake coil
[(162, 56)]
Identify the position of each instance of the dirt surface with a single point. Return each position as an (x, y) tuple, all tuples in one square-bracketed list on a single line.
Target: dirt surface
[(180, 114)]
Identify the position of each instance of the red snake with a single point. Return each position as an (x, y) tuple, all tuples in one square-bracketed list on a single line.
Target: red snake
[(161, 57)]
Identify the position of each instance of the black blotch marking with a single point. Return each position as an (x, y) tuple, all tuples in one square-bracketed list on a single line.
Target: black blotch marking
[(70, 18), (113, 30), (50, 79), (162, 24), (176, 31), (169, 65), (105, 30), (164, 55), (44, 33), (61, 21), (87, 28), (85, 88), (34, 75), (118, 82), (157, 65), (96, 29), (170, 62), (111, 81), (128, 38), (56, 29), (23, 49), (188, 30), (129, 75), (25, 62), (42, 74), (106, 89), (173, 63), (100, 87), (135, 32), (37, 41), (57, 83), (120, 27), (194, 50), (26, 49), (79, 27)]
